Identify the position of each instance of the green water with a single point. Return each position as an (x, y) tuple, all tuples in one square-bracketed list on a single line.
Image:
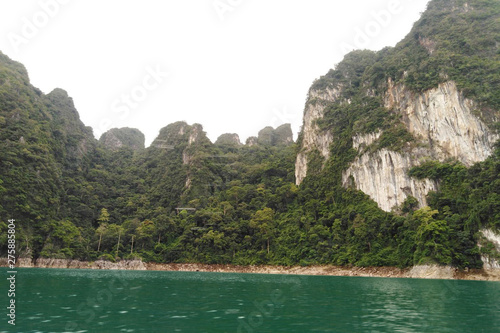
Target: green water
[(62, 300)]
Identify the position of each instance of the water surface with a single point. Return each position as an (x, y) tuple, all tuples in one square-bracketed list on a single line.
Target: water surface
[(64, 300)]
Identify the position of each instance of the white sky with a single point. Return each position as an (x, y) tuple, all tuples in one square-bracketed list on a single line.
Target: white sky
[(235, 66)]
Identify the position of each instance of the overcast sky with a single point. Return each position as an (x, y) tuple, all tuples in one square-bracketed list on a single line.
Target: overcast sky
[(234, 66)]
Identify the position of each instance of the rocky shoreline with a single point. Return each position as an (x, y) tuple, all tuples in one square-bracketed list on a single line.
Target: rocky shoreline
[(422, 272)]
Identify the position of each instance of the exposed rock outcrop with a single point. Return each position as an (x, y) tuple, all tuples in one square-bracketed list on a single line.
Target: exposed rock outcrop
[(265, 136), (228, 139), (420, 272), (444, 123), (269, 136), (445, 119), (117, 138), (312, 136), (383, 175), (489, 236), (431, 272), (252, 141), (283, 135), (77, 264)]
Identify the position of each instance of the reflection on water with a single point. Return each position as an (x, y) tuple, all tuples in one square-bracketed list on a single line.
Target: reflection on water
[(53, 300)]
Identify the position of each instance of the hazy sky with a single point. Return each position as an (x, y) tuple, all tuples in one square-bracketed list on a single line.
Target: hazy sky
[(235, 66)]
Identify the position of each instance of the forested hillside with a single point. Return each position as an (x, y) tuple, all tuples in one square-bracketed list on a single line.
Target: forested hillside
[(186, 199)]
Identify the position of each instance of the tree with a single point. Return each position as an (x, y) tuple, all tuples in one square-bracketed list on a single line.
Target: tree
[(263, 222), (145, 234), (100, 231), (104, 216), (432, 238), (64, 238)]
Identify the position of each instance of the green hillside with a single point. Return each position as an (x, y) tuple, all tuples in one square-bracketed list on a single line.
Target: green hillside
[(76, 197)]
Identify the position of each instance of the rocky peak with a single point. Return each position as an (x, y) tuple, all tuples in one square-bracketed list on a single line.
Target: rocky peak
[(265, 136), (283, 135), (171, 135), (252, 141), (269, 136), (228, 139), (116, 138), (313, 138)]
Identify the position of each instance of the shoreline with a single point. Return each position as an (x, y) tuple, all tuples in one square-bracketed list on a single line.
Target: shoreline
[(418, 272)]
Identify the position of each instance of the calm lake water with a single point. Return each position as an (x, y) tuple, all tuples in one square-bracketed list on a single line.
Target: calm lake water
[(63, 300)]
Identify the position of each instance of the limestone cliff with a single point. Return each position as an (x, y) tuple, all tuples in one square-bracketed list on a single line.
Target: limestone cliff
[(443, 122), (444, 119), (312, 136), (383, 175), (376, 115), (489, 242)]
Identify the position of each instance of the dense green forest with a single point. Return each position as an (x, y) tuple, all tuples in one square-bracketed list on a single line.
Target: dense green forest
[(186, 199)]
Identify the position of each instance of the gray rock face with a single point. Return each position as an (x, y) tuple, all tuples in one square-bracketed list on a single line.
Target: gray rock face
[(77, 264), (444, 118), (440, 118), (252, 141), (443, 121), (117, 138), (313, 137), (494, 238), (383, 175)]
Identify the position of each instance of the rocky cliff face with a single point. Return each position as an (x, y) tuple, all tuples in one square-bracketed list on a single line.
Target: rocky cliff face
[(489, 237), (444, 123), (445, 120), (383, 175), (442, 120), (426, 94), (312, 137)]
